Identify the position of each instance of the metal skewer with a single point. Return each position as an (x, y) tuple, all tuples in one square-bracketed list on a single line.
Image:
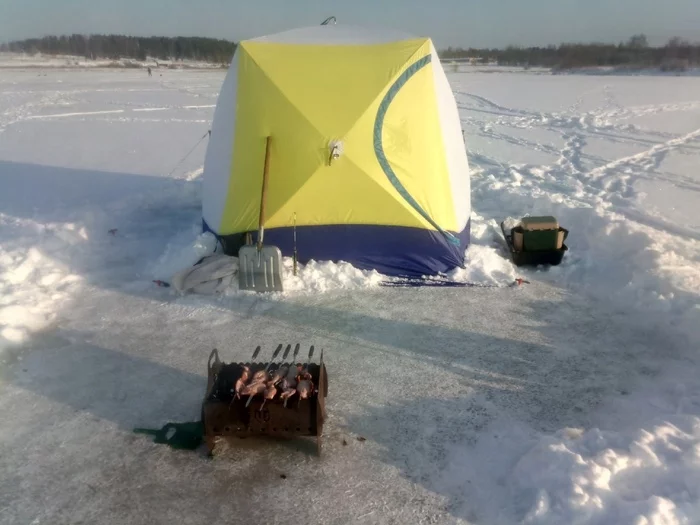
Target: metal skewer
[(274, 356)]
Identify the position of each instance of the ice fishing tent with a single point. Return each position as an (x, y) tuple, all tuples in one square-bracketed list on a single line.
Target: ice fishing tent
[(366, 149)]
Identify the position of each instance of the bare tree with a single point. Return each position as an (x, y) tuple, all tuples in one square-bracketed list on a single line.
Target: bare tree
[(638, 42)]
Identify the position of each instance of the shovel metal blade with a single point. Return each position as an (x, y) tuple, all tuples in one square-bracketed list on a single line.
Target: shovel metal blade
[(260, 270)]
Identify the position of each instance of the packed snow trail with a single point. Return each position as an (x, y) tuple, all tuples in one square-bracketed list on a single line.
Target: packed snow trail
[(657, 255), (574, 399)]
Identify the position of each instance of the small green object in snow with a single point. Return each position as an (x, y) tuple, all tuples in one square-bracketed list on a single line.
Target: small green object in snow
[(182, 436)]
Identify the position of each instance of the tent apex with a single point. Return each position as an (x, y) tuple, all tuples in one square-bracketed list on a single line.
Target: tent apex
[(336, 35)]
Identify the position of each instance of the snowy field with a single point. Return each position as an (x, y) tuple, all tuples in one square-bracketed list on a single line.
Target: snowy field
[(39, 63), (571, 400)]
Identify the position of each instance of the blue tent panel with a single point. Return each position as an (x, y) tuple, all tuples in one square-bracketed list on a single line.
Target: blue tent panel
[(391, 250)]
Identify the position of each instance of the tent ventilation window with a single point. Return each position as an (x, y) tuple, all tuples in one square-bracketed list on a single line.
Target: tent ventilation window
[(336, 150)]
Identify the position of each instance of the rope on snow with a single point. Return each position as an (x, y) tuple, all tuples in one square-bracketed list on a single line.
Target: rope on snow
[(418, 283), (208, 133)]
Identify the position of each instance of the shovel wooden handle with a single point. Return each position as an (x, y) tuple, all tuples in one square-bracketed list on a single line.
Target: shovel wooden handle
[(266, 172)]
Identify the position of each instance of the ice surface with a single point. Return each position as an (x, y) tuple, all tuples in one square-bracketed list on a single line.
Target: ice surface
[(574, 399)]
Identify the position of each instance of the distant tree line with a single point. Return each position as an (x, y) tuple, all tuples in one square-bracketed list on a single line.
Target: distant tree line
[(121, 46), (677, 54)]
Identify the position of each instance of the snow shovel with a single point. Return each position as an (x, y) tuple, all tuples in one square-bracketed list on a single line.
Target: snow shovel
[(260, 267)]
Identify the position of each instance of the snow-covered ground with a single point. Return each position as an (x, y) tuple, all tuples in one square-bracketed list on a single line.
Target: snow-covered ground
[(574, 399), (40, 62)]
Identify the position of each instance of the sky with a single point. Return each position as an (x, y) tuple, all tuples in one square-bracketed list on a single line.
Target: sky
[(465, 23)]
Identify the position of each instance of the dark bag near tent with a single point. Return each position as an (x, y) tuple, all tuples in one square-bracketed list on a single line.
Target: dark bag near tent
[(536, 240)]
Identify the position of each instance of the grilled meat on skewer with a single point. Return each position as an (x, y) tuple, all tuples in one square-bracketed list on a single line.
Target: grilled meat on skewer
[(270, 393), (259, 377), (306, 376), (291, 378), (242, 381), (289, 392), (305, 388), (253, 390), (279, 375)]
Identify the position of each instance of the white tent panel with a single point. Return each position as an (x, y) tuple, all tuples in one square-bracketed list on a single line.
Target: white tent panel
[(217, 163), (451, 125)]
